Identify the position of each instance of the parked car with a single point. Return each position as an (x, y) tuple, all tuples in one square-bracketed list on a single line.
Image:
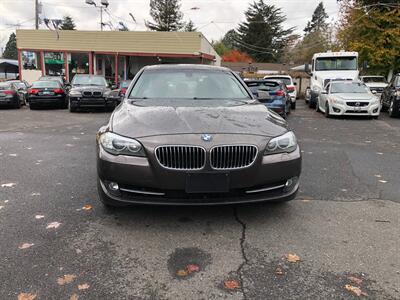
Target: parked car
[(90, 91), (375, 83), (273, 94), (119, 93), (290, 84), (9, 95), (194, 135), (47, 93), (390, 98), (22, 89), (352, 98)]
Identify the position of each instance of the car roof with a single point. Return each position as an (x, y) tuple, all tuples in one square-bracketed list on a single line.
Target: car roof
[(186, 67), (278, 75)]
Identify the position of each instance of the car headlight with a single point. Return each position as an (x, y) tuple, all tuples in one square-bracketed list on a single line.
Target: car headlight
[(119, 145), (75, 93), (282, 144)]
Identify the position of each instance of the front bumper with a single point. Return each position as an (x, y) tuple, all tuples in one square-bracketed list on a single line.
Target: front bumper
[(6, 101), (91, 102), (142, 180), (337, 109)]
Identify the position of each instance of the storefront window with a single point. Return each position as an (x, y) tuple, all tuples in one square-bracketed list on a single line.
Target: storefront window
[(54, 63), (31, 60)]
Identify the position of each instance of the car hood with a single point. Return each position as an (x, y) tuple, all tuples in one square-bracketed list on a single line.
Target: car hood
[(376, 84), (354, 96), (134, 120)]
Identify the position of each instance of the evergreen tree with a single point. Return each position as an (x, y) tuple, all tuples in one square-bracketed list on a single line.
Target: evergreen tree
[(318, 20), (10, 51), (231, 39), (68, 23), (262, 35), (189, 27), (166, 15)]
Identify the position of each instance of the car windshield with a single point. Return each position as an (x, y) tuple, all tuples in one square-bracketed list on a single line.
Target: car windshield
[(285, 80), (5, 86), (374, 79), (125, 84), (268, 86), (20, 85), (336, 63), (46, 84), (188, 84), (348, 87), (89, 80), (50, 78)]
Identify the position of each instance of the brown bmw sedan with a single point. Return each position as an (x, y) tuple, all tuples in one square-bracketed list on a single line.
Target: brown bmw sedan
[(194, 135)]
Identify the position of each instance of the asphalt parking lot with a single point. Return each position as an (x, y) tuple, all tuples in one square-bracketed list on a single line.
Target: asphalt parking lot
[(58, 242)]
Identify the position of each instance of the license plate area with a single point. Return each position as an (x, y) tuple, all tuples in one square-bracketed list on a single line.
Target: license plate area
[(46, 93), (207, 183)]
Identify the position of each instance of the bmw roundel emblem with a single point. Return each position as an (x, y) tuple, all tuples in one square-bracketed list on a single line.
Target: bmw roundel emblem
[(206, 137)]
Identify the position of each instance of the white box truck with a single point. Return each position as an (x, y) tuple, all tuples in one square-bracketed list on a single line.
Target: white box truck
[(329, 66)]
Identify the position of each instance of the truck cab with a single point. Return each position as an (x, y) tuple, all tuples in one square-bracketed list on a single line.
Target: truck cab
[(330, 66)]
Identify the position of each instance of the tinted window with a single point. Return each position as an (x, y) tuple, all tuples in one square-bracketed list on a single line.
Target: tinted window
[(349, 87), (336, 63), (89, 80), (285, 80), (46, 84), (264, 86), (5, 86), (374, 79), (188, 84)]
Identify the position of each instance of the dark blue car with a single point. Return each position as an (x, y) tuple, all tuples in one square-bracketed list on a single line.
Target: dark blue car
[(272, 93)]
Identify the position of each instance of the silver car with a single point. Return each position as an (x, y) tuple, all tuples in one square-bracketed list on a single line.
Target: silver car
[(351, 98)]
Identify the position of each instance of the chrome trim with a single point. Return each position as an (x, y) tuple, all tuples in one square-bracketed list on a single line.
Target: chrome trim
[(225, 156), (265, 189), (172, 153), (142, 192)]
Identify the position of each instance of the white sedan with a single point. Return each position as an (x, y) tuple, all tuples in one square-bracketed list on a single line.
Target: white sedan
[(348, 98)]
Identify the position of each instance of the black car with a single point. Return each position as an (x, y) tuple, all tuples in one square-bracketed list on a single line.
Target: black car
[(273, 94), (22, 89), (391, 97), (90, 91), (9, 95), (119, 93), (47, 93)]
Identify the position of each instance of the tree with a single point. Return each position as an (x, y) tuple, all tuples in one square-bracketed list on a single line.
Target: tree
[(68, 23), (166, 15), (10, 51), (318, 20), (231, 39), (236, 56), (262, 35), (190, 27), (220, 48), (373, 32)]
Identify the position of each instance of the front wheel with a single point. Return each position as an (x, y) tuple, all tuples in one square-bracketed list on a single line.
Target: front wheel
[(393, 109), (327, 114), (317, 106)]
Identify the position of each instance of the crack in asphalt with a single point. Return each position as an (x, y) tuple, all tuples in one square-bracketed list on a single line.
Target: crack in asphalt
[(243, 251)]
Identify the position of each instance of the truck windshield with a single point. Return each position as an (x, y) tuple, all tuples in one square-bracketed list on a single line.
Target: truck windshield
[(336, 63)]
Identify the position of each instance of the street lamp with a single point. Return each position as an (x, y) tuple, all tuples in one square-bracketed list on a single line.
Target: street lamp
[(104, 5)]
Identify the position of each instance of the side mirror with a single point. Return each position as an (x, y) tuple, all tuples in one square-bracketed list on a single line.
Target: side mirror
[(307, 69)]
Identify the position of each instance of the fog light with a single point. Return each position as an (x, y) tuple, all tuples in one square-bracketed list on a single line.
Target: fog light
[(336, 110), (290, 183), (375, 110), (113, 186)]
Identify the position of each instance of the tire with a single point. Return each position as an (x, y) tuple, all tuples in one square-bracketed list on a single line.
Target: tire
[(293, 105), (312, 101), (327, 114), (72, 108), (32, 107), (383, 107), (393, 109), (317, 106)]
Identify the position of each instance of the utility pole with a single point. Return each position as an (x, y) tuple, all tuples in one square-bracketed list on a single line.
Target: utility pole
[(36, 14), (101, 18)]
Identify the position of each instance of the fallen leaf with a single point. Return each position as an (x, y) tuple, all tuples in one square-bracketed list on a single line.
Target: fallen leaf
[(66, 279), (87, 207), (1, 207), (355, 290), (35, 194), (191, 268), (27, 296), (383, 181), (182, 273), (69, 145), (6, 201), (344, 190), (279, 271), (74, 297), (78, 251), (84, 286), (25, 246), (13, 155), (378, 176), (10, 185), (355, 279), (231, 284), (293, 258), (379, 153), (53, 225), (38, 217), (368, 142)]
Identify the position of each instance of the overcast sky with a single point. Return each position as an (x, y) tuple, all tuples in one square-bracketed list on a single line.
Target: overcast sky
[(213, 17)]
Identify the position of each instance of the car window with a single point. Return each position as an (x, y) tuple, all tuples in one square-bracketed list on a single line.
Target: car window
[(125, 84), (348, 87), (188, 84), (285, 80), (5, 86), (89, 80), (374, 79), (46, 84), (262, 85)]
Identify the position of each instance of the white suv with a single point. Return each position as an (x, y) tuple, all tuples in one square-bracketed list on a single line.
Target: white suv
[(291, 86)]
